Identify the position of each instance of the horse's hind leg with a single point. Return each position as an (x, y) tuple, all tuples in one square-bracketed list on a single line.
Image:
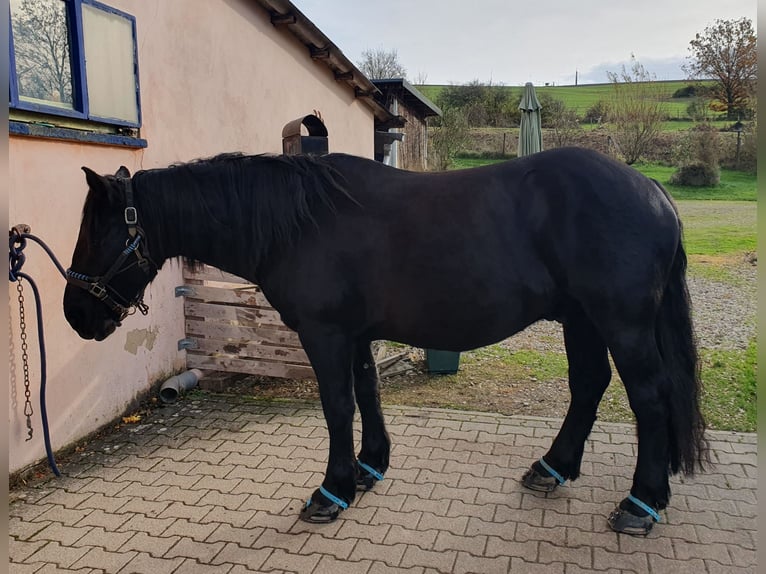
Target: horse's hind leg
[(642, 370), (376, 444), (589, 375)]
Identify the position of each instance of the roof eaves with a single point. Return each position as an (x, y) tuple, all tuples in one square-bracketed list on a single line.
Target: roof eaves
[(284, 13), (427, 106)]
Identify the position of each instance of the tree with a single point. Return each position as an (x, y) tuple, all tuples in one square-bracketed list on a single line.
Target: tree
[(41, 42), (635, 110), (380, 64), (726, 52)]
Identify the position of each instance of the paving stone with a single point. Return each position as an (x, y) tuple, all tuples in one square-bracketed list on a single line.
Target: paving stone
[(103, 519), (98, 558), (279, 559), (143, 563), (55, 553), (106, 539), (190, 566), (251, 558), (201, 551), (415, 556), (390, 554), (156, 546), (184, 527), (333, 547), (220, 490)]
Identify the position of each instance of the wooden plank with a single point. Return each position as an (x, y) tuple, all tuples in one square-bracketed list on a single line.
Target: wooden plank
[(249, 349), (265, 334), (248, 366), (245, 316), (208, 273), (245, 296)]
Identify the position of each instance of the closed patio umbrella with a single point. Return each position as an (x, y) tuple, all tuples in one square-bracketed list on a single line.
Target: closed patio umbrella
[(530, 129)]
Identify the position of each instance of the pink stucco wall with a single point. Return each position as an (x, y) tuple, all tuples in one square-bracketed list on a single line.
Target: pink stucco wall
[(214, 77)]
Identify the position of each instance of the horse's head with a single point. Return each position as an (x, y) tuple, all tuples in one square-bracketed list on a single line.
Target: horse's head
[(111, 265)]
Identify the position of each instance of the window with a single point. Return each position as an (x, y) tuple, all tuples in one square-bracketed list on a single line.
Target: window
[(74, 58)]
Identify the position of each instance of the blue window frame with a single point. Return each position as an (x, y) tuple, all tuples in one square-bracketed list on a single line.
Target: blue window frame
[(76, 59)]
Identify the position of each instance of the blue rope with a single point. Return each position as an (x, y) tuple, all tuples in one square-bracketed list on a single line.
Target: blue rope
[(16, 259), (43, 375), (375, 474), (645, 507), (553, 473)]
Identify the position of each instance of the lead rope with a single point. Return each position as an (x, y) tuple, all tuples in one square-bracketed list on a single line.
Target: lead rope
[(16, 258)]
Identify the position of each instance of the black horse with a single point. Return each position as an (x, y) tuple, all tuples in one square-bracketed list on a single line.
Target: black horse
[(350, 251)]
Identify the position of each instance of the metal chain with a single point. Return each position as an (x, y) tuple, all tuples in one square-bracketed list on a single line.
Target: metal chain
[(25, 360)]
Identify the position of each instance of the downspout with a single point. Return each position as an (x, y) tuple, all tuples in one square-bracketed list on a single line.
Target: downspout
[(175, 385)]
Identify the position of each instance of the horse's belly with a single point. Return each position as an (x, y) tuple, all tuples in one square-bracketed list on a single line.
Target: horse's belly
[(458, 328)]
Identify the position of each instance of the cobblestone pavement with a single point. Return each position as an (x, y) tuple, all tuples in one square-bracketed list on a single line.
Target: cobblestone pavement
[(214, 485)]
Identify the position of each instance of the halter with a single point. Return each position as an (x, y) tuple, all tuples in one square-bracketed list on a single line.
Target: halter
[(99, 286)]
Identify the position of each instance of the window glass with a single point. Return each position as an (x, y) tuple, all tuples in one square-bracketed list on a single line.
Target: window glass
[(109, 64), (43, 57)]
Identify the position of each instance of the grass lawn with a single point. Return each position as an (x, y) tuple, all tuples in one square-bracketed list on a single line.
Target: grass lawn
[(734, 186)]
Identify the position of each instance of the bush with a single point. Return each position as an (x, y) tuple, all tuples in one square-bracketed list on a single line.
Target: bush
[(597, 113), (697, 155), (685, 92), (562, 122), (696, 175), (699, 110)]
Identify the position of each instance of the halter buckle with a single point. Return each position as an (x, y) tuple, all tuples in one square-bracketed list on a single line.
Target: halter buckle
[(97, 290), (131, 216)]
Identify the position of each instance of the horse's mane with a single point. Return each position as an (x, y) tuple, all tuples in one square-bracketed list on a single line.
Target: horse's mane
[(263, 200)]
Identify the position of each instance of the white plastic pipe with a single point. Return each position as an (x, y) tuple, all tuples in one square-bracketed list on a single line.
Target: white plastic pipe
[(177, 384)]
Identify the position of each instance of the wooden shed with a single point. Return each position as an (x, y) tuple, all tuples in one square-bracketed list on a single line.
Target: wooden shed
[(404, 147)]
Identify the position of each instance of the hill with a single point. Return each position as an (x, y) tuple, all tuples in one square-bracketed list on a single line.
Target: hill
[(581, 98)]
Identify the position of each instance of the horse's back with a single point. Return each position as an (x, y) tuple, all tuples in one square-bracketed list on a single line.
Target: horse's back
[(460, 259)]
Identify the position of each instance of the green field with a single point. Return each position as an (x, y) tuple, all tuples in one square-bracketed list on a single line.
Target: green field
[(734, 186), (581, 98)]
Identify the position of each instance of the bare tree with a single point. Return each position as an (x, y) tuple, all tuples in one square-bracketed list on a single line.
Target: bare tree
[(421, 79), (41, 45), (380, 64), (635, 111), (726, 52), (563, 122)]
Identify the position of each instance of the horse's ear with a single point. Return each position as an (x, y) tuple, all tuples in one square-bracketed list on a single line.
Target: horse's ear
[(99, 184), (123, 172)]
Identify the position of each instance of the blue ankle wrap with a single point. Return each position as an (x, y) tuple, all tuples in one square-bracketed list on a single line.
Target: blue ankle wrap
[(645, 507), (554, 474), (374, 473)]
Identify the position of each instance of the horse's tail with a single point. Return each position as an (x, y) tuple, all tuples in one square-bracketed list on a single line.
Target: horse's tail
[(677, 345)]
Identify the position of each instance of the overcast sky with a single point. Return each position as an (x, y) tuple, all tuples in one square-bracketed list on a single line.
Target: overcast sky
[(512, 42)]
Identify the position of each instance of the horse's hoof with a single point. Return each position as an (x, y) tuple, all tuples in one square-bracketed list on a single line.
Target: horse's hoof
[(539, 482), (626, 522), (365, 482), (365, 479), (318, 513)]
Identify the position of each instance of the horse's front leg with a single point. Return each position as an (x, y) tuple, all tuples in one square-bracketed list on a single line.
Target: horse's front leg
[(331, 354), (376, 444)]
